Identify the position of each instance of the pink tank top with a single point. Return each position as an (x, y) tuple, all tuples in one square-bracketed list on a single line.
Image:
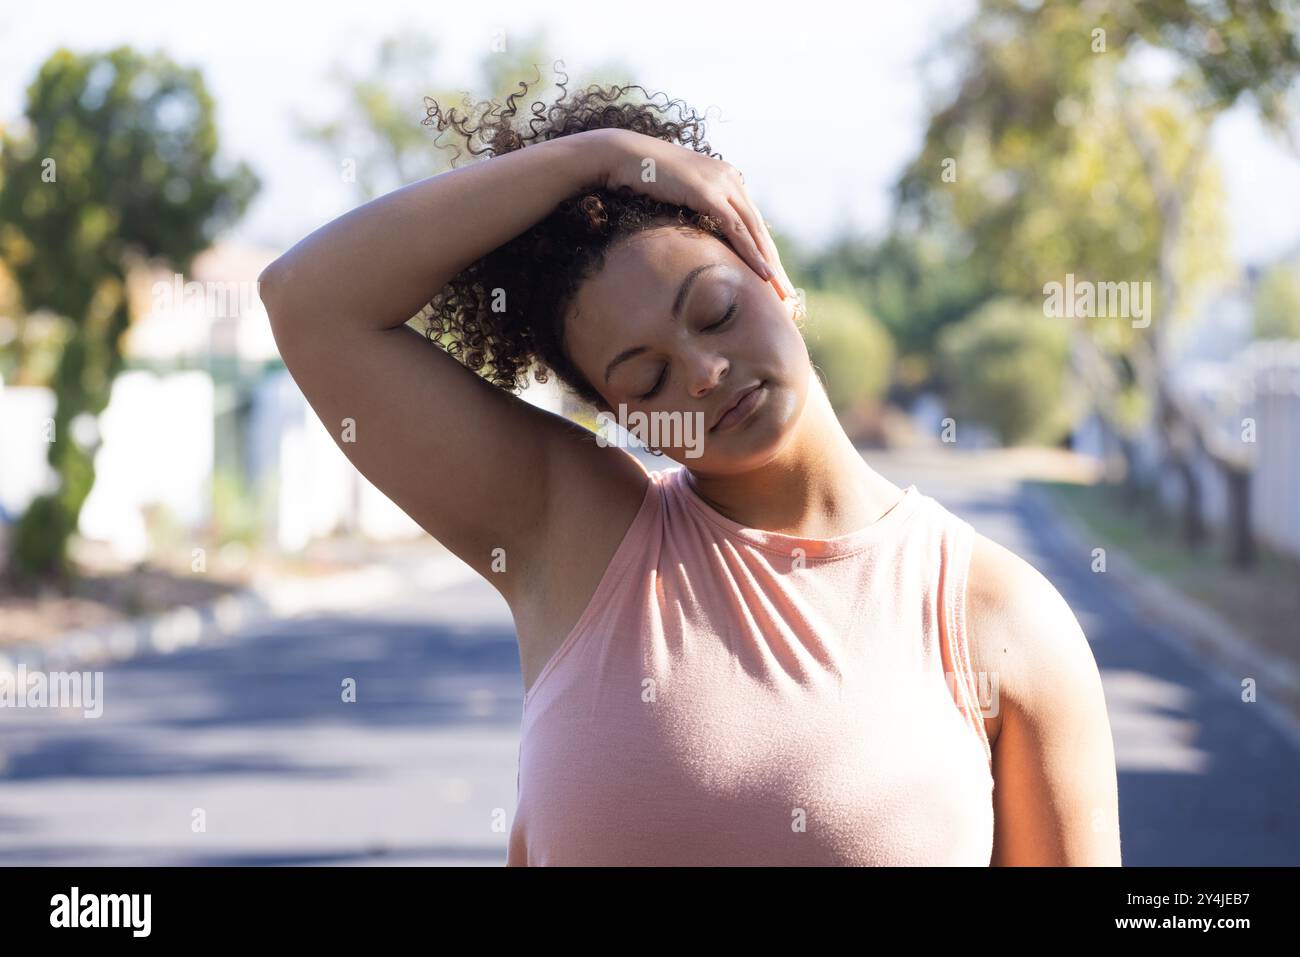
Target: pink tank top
[(733, 696)]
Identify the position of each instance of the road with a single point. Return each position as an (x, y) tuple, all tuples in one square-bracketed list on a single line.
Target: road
[(247, 753)]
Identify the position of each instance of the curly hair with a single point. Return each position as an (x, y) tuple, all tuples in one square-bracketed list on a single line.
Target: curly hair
[(540, 270)]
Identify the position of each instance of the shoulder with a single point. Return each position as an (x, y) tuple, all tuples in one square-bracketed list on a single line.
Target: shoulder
[(1056, 800), (597, 493), (1021, 630)]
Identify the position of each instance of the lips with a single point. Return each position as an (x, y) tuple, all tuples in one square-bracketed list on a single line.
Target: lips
[(735, 401)]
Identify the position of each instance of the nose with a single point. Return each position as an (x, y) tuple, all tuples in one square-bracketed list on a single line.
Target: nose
[(708, 370)]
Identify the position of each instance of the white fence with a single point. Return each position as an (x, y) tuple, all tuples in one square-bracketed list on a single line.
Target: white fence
[(312, 487), (26, 418), (1254, 403), (155, 449), (1275, 406)]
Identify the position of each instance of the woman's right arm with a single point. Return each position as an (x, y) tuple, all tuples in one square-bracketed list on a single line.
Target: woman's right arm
[(378, 265), (466, 460)]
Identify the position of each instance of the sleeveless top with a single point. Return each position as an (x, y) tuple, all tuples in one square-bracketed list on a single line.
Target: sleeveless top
[(732, 696)]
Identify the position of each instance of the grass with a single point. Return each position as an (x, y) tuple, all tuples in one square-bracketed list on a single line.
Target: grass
[(1262, 601)]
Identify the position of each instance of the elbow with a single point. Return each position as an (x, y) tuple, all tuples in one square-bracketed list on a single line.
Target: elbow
[(269, 282)]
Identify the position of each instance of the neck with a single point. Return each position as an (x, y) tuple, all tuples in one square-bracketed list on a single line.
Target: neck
[(818, 486)]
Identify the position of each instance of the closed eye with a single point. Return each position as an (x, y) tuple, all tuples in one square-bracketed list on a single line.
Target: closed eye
[(731, 311), (726, 317)]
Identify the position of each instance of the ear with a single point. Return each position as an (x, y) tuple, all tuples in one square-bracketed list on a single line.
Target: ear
[(798, 307)]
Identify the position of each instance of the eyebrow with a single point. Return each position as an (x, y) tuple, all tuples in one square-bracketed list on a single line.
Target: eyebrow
[(682, 292)]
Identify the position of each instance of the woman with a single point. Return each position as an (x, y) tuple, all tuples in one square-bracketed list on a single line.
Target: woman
[(768, 655)]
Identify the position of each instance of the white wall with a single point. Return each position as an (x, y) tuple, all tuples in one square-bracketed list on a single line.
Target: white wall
[(24, 470), (157, 434), (156, 448)]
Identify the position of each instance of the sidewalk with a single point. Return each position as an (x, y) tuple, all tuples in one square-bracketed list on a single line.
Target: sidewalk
[(370, 573), (1200, 630)]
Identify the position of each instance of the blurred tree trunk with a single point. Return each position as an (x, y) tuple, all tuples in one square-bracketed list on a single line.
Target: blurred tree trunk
[(1185, 433)]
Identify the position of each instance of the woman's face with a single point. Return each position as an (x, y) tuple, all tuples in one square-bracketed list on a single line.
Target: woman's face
[(675, 327)]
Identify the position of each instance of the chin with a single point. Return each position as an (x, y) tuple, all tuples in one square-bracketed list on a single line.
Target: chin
[(758, 442)]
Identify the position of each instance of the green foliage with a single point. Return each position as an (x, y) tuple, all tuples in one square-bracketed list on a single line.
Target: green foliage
[(130, 141), (37, 549), (1048, 174), (117, 163), (911, 283), (851, 348), (30, 346), (234, 511), (1054, 151), (1277, 304), (374, 134), (1006, 367)]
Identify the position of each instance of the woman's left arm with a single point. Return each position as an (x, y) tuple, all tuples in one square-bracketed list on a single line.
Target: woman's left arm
[(1055, 797)]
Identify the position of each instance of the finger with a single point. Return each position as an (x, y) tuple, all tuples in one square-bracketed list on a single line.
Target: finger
[(764, 236), (751, 229), (743, 237), (768, 244), (757, 229)]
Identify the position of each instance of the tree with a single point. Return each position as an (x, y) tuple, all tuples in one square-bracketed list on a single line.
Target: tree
[(1005, 365), (116, 166), (852, 349), (1277, 303), (375, 135), (915, 284), (1067, 160)]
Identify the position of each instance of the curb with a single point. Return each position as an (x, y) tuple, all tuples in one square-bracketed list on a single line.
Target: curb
[(162, 633), (214, 621), (1215, 644)]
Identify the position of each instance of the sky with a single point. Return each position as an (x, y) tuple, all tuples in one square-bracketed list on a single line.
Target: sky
[(769, 80)]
